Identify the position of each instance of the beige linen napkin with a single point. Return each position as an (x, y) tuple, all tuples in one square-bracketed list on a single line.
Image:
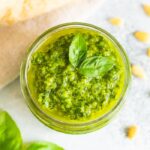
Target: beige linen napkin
[(15, 39)]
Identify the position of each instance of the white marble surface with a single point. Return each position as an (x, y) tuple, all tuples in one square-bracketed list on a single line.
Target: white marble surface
[(137, 107)]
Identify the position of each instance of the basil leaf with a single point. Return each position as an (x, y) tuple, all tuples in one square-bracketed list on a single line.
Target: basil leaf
[(96, 66), (43, 146), (77, 50), (10, 137)]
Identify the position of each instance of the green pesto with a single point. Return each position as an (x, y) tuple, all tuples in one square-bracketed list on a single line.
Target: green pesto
[(58, 87)]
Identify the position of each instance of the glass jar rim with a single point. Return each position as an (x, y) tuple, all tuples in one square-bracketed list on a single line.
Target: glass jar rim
[(43, 36)]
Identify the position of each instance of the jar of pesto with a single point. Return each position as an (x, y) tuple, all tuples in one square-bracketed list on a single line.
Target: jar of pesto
[(75, 77)]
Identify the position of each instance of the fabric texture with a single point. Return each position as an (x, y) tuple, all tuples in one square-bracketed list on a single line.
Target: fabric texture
[(15, 39)]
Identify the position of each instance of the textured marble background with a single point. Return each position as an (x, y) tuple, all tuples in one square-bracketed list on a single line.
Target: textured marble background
[(137, 107)]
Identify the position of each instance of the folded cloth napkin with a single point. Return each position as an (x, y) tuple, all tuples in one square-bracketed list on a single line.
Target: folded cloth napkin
[(15, 39)]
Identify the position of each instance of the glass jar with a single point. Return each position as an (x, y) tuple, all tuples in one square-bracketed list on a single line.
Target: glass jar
[(68, 127)]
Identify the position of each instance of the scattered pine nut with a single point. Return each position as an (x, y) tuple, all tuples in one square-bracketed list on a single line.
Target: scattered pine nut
[(142, 36), (148, 52), (146, 9), (137, 71), (131, 131), (115, 21)]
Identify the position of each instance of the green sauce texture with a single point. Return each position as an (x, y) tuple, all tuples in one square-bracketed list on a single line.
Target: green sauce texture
[(59, 88)]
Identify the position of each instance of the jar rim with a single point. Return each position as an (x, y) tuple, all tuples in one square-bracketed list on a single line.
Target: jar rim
[(24, 69)]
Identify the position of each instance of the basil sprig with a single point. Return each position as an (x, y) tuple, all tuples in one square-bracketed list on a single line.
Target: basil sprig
[(92, 66), (43, 146), (77, 50), (96, 66), (10, 137)]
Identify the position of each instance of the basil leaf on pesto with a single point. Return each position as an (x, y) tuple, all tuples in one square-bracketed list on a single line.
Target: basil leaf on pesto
[(96, 66), (77, 50), (43, 146), (10, 137)]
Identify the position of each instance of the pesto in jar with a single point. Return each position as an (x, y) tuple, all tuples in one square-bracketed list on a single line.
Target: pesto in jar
[(76, 75)]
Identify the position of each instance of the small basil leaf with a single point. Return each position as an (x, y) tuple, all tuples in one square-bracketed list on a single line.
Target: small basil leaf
[(96, 66), (43, 146), (10, 137), (77, 50)]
